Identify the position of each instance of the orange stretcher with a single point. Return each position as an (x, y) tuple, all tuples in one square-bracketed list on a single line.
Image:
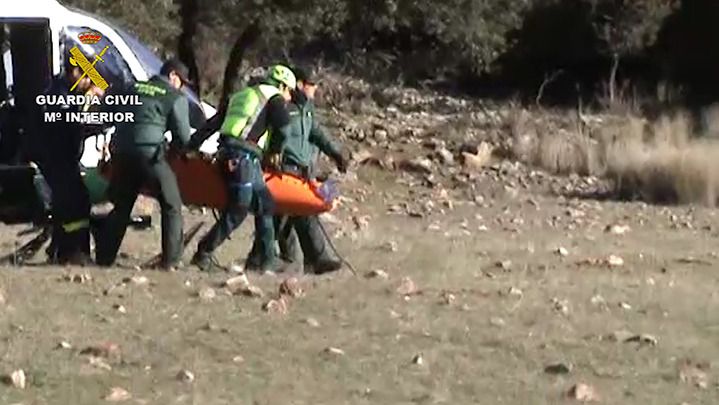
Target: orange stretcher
[(202, 183)]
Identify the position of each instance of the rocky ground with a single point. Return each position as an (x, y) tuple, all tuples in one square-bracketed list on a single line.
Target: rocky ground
[(479, 280)]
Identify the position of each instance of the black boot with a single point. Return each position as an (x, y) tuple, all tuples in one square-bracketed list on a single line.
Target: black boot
[(315, 247), (206, 262), (325, 265)]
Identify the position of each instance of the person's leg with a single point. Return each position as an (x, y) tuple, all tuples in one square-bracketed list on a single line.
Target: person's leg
[(229, 220), (70, 211), (263, 208), (52, 177), (315, 247), (76, 227), (168, 194), (123, 190), (254, 257), (286, 237), (240, 191)]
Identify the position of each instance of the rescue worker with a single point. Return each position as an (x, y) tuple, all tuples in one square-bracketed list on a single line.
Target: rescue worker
[(59, 162), (139, 156), (305, 138), (254, 129)]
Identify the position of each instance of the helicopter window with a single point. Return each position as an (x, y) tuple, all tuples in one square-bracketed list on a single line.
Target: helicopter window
[(112, 67), (149, 61)]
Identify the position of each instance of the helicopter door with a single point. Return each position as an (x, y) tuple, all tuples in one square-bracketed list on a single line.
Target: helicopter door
[(30, 56)]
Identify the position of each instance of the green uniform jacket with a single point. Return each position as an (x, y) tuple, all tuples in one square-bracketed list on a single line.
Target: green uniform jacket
[(163, 108), (305, 135)]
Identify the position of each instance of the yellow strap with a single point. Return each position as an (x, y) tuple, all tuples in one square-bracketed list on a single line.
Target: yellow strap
[(75, 226)]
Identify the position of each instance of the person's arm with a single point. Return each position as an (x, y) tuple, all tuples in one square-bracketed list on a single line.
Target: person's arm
[(278, 121), (323, 142), (211, 126), (326, 146), (178, 122)]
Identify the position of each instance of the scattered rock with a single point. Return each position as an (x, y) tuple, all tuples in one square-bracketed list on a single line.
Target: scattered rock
[(334, 351), (237, 283), (445, 156), (644, 339), (419, 164), (598, 300), (391, 246), (276, 306), (619, 336), (330, 219), (136, 280), (625, 306), (418, 359), (291, 287), (583, 393), (185, 376), (505, 265), (105, 349), (251, 291), (515, 292), (407, 287), (238, 269), (378, 274), (610, 261), (694, 374), (448, 298), (16, 379), (497, 322), (120, 308), (312, 322), (479, 160), (78, 278), (207, 294), (561, 306), (617, 229), (99, 363), (361, 222), (561, 251), (64, 345), (118, 394), (238, 359), (615, 261), (380, 135), (559, 368)]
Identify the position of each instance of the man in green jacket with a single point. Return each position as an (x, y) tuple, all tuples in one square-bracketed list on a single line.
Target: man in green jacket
[(304, 139), (139, 160), (254, 129)]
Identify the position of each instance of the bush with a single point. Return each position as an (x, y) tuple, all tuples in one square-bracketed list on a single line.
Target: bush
[(517, 44)]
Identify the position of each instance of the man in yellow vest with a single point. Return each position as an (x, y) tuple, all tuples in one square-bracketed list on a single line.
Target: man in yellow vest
[(255, 127)]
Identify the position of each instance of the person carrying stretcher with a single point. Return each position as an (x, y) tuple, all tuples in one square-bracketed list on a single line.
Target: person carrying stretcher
[(305, 135), (254, 129), (139, 152)]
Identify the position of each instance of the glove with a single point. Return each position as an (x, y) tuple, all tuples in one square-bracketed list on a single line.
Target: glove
[(273, 161)]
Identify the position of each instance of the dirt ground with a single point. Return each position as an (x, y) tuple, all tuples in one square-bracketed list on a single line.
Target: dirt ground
[(516, 301)]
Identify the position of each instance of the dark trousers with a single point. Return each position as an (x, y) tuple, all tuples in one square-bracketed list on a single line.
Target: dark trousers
[(131, 173), (70, 208), (290, 231), (248, 193), (286, 237)]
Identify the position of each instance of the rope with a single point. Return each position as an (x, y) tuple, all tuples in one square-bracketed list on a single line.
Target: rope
[(332, 245)]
